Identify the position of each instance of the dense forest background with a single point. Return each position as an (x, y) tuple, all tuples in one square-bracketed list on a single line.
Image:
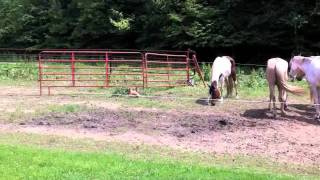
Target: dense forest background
[(250, 31)]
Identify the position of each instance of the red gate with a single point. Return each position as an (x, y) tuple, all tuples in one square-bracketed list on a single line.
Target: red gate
[(114, 69), (167, 70)]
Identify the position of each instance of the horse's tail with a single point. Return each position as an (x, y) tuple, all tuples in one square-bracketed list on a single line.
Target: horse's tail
[(281, 79), (233, 68), (231, 81), (230, 85), (233, 63)]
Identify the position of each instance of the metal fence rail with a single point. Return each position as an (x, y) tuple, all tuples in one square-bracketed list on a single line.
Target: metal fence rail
[(106, 69)]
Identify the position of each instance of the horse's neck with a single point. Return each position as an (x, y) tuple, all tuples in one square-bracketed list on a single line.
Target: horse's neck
[(306, 68), (312, 72)]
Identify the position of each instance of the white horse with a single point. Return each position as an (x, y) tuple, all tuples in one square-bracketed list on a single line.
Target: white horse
[(277, 75), (308, 67), (223, 72)]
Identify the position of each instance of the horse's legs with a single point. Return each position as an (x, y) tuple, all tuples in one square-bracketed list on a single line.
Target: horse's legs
[(229, 86), (285, 102), (221, 89), (311, 95), (282, 99), (226, 85), (317, 104), (272, 99), (232, 85), (209, 100), (236, 88), (315, 94)]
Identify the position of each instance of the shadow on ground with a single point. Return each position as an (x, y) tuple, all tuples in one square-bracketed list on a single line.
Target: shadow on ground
[(202, 101), (303, 113)]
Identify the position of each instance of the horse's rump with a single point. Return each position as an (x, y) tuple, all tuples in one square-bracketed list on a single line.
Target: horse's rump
[(233, 68), (281, 73)]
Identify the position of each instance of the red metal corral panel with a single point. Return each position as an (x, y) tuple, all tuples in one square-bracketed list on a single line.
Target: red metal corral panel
[(68, 68)]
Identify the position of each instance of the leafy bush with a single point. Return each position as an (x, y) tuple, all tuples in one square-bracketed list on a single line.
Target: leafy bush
[(247, 77), (206, 69), (255, 79)]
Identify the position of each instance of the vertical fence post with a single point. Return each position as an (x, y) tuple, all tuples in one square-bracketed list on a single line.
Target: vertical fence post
[(168, 71), (146, 69), (188, 68), (40, 74), (143, 66), (107, 69), (73, 69)]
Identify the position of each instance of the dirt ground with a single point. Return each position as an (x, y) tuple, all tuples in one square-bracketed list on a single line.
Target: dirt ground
[(294, 138)]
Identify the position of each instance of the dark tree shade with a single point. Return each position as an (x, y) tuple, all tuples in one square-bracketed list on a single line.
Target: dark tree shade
[(251, 31)]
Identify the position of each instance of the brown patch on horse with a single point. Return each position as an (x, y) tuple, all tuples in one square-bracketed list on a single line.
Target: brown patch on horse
[(232, 81), (233, 68)]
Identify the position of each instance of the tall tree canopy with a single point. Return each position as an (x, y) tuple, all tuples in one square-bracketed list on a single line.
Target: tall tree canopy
[(250, 30)]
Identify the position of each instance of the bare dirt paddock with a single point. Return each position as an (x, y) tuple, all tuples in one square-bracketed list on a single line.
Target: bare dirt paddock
[(250, 131)]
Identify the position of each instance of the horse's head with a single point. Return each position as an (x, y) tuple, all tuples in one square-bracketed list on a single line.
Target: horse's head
[(296, 71), (214, 92)]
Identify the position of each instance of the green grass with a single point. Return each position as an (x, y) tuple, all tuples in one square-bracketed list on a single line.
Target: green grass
[(65, 108), (18, 71), (25, 111), (233, 164), (26, 156)]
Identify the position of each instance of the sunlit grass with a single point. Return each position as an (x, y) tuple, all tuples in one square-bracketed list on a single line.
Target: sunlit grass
[(50, 157)]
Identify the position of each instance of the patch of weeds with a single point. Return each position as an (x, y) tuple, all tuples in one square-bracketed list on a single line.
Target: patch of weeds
[(17, 115), (120, 91), (66, 108), (18, 71), (149, 103)]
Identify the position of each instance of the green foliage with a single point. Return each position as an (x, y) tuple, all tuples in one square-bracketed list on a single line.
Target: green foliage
[(256, 79), (248, 78), (288, 26), (120, 91), (18, 71), (206, 69)]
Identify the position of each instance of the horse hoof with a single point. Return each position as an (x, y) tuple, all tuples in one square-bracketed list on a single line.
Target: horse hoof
[(210, 103), (317, 117)]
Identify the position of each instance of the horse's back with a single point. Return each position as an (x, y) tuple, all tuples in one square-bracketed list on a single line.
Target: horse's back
[(222, 60), (221, 65), (277, 64), (315, 61), (312, 70)]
